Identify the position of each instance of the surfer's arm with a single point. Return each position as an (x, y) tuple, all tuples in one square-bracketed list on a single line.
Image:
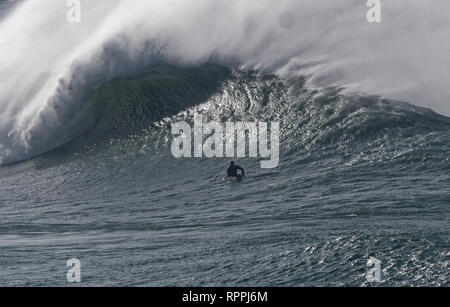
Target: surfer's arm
[(242, 170)]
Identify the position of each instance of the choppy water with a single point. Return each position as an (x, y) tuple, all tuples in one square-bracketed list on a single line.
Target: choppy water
[(88, 173)]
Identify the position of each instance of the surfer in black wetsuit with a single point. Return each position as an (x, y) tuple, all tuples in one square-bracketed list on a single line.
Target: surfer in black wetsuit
[(232, 171)]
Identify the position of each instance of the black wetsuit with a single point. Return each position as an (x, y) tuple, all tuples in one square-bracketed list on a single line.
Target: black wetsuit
[(232, 171)]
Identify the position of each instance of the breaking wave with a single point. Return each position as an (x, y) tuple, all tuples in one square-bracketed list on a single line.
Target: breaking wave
[(130, 64)]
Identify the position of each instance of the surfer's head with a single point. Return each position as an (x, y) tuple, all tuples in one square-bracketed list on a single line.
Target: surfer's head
[(232, 163)]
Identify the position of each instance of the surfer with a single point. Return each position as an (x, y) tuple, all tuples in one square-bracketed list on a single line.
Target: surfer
[(232, 171)]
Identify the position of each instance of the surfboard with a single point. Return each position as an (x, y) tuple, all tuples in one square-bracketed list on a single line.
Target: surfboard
[(233, 179), (238, 178)]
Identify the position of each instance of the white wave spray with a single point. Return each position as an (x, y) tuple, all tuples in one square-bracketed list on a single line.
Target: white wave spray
[(48, 66)]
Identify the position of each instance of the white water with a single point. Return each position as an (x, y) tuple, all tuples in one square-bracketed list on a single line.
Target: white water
[(47, 65)]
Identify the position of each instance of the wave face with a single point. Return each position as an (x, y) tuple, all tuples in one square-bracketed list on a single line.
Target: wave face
[(132, 118), (50, 67)]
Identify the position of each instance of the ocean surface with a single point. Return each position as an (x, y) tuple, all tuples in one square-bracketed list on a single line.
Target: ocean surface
[(360, 176)]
